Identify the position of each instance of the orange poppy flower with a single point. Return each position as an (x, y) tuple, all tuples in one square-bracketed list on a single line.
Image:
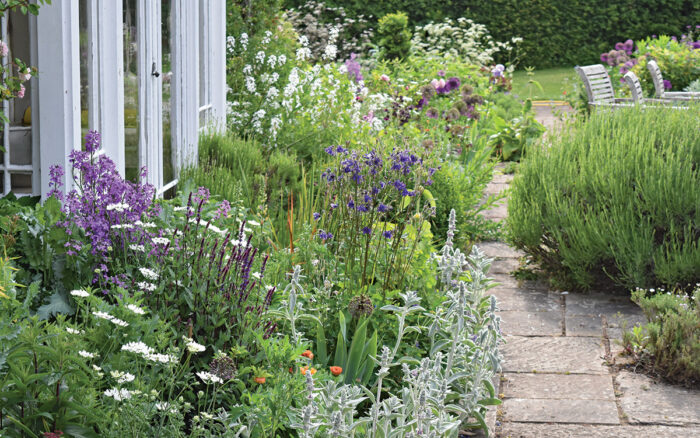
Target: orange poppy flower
[(336, 371), (303, 370), (308, 354), (259, 380), (291, 370)]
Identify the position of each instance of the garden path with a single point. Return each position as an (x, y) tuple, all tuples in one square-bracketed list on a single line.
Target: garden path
[(562, 376)]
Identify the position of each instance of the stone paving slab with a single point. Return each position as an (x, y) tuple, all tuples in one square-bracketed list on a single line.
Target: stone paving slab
[(618, 321), (505, 266), (584, 325), (530, 430), (499, 250), (561, 411), (498, 213), (559, 386), (502, 178), (599, 304), (526, 300), (644, 401), (495, 188), (553, 355), (523, 323)]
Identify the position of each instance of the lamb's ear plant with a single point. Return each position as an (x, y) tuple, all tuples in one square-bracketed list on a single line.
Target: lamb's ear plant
[(439, 393)]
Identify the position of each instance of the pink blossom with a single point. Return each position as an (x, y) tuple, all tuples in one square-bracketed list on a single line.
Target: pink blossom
[(20, 93), (385, 78), (24, 75)]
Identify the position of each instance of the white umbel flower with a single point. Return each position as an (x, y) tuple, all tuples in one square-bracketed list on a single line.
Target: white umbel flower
[(103, 315), (86, 354), (137, 347), (149, 274), (209, 377), (192, 346), (79, 293), (118, 394), (135, 309)]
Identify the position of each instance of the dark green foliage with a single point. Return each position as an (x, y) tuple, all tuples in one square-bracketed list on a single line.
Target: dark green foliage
[(394, 36), (555, 32), (615, 198), (670, 343)]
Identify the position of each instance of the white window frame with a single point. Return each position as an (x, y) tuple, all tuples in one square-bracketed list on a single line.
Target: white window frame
[(212, 66), (7, 168)]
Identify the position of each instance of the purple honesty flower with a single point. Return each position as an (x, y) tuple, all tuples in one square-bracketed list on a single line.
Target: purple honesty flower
[(354, 68), (92, 141), (667, 84), (223, 210)]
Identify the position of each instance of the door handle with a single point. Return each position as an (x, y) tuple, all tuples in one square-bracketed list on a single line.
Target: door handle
[(154, 70)]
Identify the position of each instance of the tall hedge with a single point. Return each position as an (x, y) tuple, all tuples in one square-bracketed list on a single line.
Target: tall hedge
[(555, 32)]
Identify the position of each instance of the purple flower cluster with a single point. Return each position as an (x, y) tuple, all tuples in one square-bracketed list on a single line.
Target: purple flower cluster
[(354, 68), (101, 198)]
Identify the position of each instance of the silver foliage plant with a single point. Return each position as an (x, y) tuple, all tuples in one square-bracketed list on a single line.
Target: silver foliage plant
[(439, 394)]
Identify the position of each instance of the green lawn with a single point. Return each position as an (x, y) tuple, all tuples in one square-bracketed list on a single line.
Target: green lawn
[(553, 82)]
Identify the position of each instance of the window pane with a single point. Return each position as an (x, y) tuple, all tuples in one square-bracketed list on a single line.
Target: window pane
[(167, 28), (83, 37), (131, 91), (21, 183)]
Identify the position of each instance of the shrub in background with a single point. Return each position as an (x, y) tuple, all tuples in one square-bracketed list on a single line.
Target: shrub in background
[(464, 39), (670, 343), (614, 201), (314, 20), (394, 36), (679, 62)]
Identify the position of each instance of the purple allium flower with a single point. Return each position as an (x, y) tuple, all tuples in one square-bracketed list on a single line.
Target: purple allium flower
[(619, 46), (667, 84), (388, 234), (453, 83), (366, 230), (317, 216), (441, 73), (432, 113), (604, 57)]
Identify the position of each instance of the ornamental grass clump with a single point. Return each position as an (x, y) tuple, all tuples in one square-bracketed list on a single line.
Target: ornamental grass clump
[(614, 201), (373, 214)]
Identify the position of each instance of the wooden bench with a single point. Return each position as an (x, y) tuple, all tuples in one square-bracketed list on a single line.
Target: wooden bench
[(599, 87), (661, 92)]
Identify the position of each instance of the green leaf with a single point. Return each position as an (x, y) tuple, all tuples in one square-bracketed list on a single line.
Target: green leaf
[(341, 352), (58, 303), (321, 349), (368, 366), (357, 347)]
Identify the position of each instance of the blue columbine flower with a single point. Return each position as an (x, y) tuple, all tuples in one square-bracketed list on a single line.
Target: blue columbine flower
[(383, 208), (388, 234), (324, 236), (317, 216), (330, 151), (366, 230), (351, 204)]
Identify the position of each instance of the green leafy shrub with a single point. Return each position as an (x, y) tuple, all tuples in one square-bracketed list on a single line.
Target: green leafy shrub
[(670, 343), (614, 198), (394, 36), (679, 63), (460, 187)]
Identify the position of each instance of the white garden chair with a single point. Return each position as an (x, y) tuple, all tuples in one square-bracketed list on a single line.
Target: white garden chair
[(599, 87), (661, 92), (638, 98)]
